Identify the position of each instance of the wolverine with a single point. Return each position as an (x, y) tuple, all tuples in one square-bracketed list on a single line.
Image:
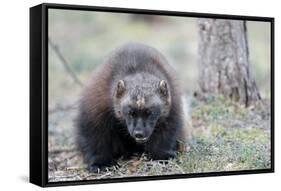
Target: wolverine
[(132, 104)]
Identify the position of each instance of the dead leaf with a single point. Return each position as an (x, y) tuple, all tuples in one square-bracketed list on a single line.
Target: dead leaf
[(133, 165)]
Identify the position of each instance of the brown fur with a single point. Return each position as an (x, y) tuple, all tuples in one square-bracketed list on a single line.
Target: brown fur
[(132, 70)]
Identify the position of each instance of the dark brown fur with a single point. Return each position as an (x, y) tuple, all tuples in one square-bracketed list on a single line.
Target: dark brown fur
[(102, 132)]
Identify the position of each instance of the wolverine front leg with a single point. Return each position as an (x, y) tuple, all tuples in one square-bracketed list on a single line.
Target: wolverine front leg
[(96, 157), (162, 145), (97, 149)]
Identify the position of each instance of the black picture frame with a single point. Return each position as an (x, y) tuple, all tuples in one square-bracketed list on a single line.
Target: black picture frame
[(39, 92)]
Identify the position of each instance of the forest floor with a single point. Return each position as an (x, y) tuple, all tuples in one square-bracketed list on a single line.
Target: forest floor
[(225, 137)]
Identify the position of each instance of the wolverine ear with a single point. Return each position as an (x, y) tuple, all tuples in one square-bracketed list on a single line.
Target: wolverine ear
[(163, 87), (120, 88)]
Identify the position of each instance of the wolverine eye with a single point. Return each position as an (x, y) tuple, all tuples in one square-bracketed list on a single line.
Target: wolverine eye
[(147, 112), (132, 113)]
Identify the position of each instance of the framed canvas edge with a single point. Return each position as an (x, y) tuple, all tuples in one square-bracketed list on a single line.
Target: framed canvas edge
[(43, 77), (35, 98)]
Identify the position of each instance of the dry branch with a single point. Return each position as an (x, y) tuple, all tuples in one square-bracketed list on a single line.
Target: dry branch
[(64, 62), (57, 151)]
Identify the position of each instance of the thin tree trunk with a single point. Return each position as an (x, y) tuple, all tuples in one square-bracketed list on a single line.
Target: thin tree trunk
[(224, 60)]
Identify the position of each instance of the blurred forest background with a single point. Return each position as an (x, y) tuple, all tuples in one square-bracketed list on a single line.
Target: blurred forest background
[(84, 39)]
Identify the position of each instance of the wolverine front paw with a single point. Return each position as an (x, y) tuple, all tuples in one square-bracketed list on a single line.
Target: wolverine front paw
[(162, 155), (97, 168)]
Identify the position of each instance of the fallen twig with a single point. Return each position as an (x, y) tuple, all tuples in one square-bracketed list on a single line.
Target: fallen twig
[(56, 151)]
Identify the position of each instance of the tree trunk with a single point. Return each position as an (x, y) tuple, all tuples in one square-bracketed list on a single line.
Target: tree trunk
[(224, 60)]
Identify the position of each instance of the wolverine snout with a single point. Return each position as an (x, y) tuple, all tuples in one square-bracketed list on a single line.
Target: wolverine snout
[(140, 136)]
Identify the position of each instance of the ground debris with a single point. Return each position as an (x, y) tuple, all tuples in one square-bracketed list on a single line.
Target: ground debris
[(225, 137)]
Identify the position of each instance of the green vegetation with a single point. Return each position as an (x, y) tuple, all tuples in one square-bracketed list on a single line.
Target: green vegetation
[(225, 137)]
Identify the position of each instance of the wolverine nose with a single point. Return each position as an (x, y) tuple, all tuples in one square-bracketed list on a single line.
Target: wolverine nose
[(139, 134)]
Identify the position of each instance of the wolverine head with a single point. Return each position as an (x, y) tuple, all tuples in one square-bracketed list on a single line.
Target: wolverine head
[(140, 101)]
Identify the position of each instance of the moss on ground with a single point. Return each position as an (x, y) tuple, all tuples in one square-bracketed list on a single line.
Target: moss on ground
[(225, 137)]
